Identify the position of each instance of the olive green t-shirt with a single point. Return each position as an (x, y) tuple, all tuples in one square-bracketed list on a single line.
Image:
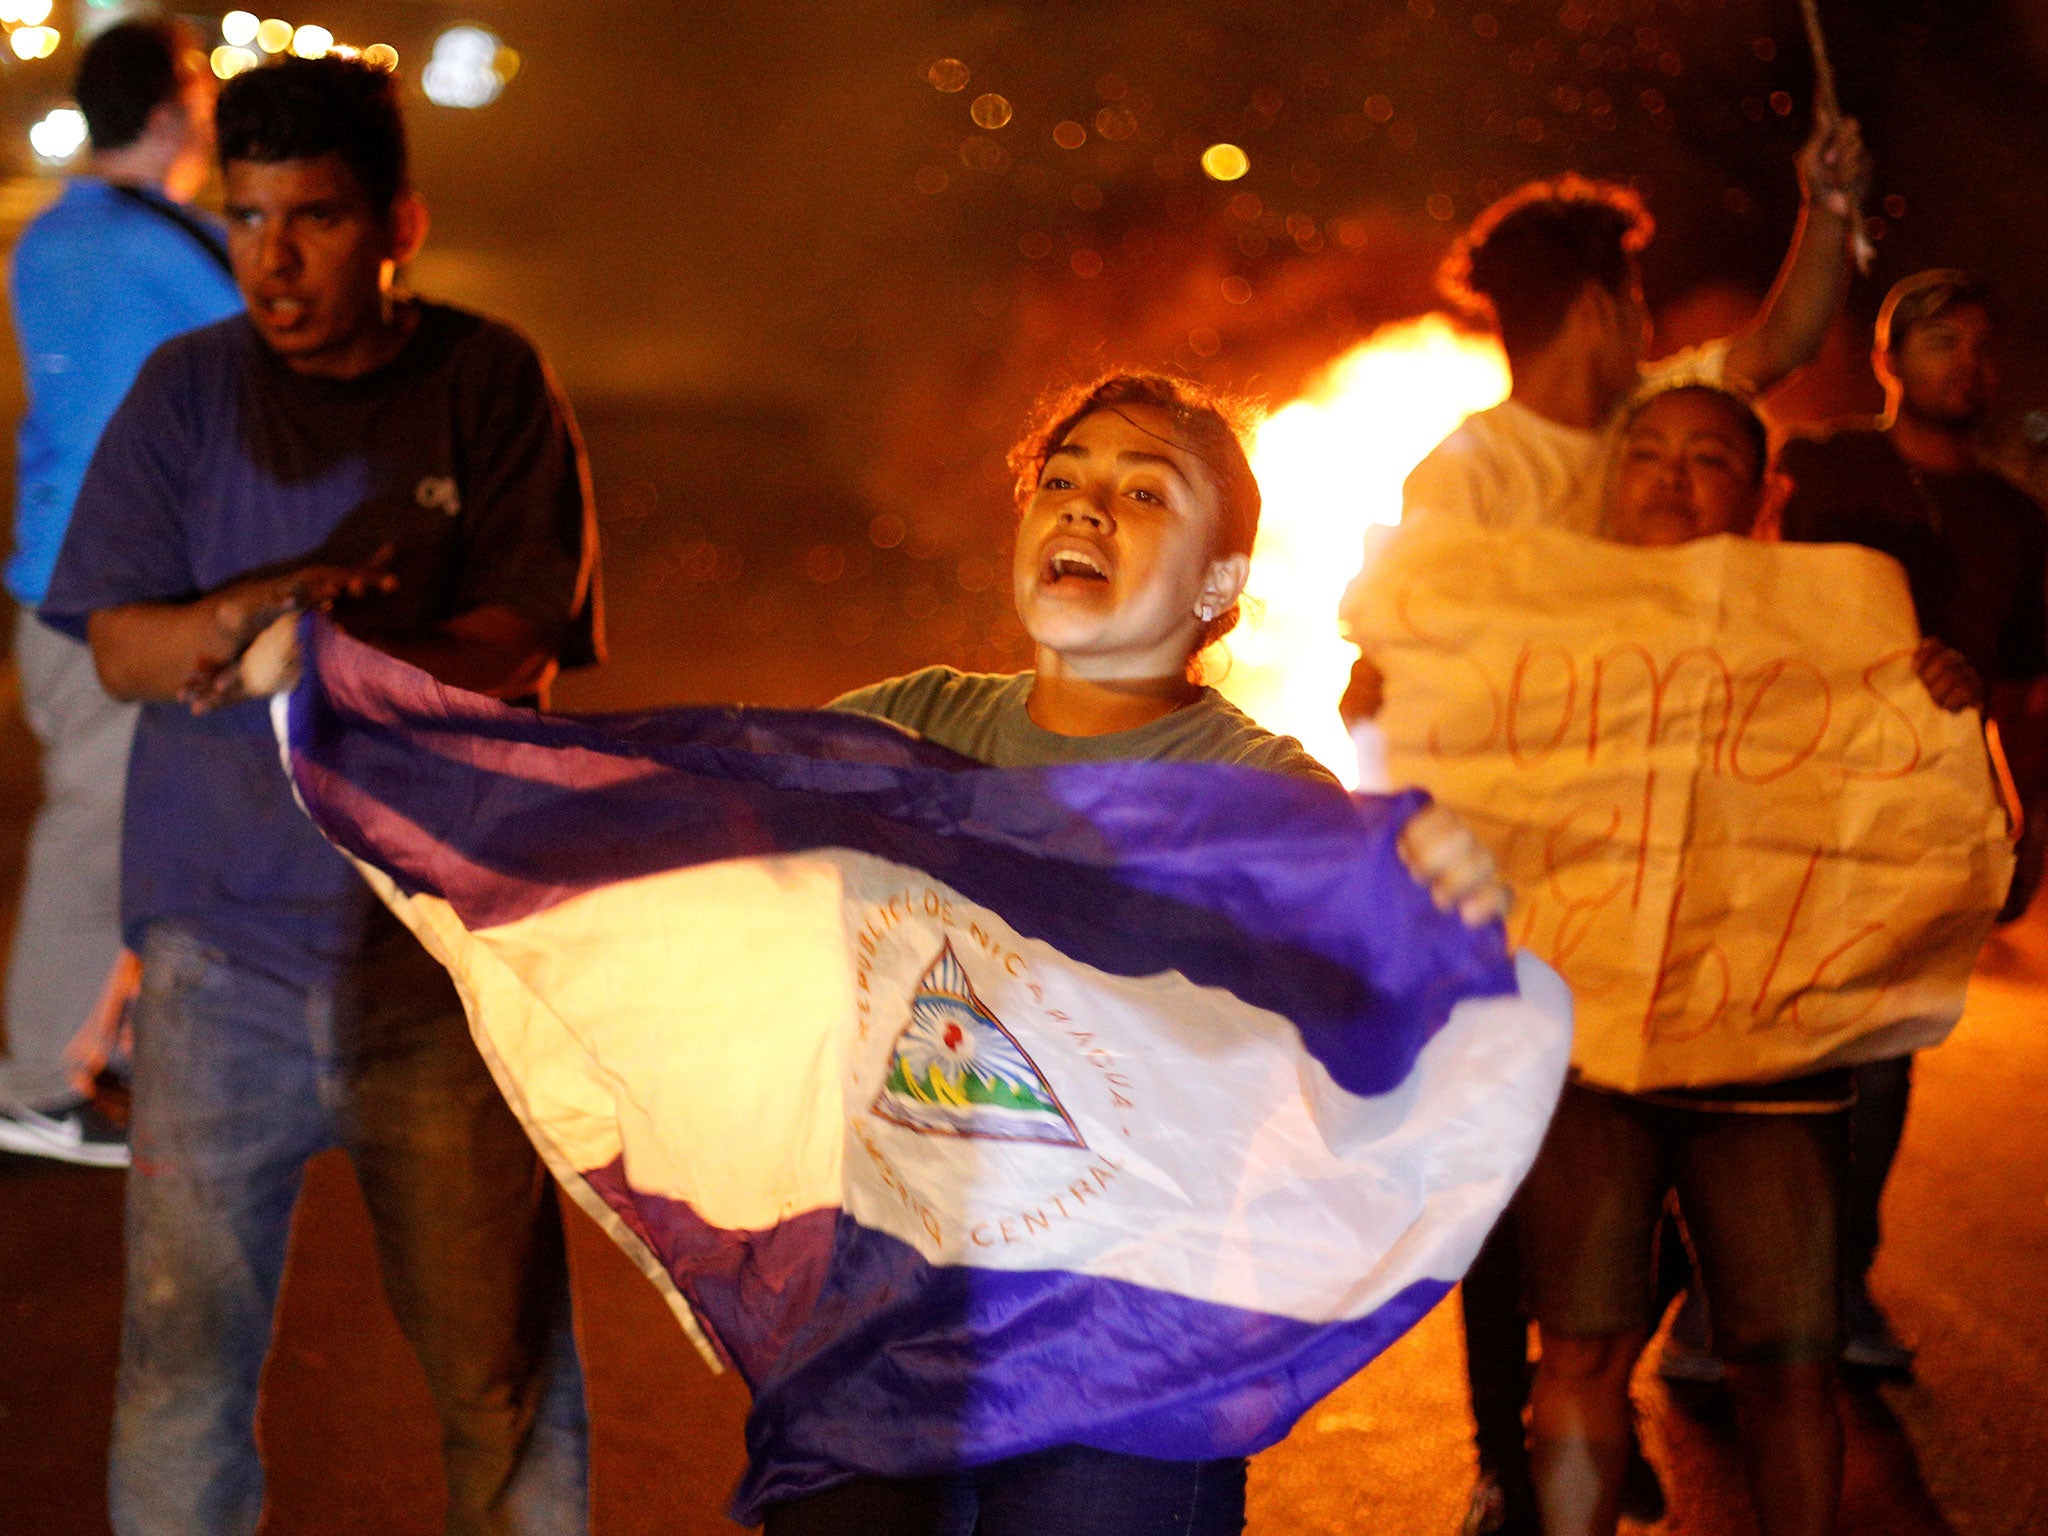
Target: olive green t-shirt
[(982, 715)]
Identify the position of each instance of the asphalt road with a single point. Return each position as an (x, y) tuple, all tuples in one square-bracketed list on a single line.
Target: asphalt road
[(349, 1437)]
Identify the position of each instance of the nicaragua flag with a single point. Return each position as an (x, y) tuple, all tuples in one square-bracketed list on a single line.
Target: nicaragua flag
[(965, 1111)]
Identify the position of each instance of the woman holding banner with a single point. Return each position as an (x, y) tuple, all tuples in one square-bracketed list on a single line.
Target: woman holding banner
[(1667, 754)]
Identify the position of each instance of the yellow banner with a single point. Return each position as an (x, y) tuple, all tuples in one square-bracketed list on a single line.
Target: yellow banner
[(1731, 815)]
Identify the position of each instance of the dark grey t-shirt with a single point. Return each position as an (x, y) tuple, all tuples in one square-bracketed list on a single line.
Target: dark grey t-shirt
[(982, 715)]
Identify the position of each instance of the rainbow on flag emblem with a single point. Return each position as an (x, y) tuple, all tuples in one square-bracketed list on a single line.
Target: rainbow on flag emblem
[(957, 1072)]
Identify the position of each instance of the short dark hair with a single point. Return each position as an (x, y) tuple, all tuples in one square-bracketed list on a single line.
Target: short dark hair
[(128, 72), (1525, 259), (1928, 296), (302, 109)]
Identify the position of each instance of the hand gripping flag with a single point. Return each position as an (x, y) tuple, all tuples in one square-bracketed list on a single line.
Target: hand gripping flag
[(966, 1112)]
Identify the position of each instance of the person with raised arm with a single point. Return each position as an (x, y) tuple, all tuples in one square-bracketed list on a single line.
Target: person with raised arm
[(1554, 268)]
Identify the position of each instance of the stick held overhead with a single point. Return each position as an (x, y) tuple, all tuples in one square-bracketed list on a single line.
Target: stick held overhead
[(1827, 103)]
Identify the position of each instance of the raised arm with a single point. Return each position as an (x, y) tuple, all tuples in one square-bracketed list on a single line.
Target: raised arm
[(1786, 335)]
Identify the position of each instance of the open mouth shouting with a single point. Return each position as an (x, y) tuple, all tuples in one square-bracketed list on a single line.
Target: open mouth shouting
[(1074, 564), (282, 311)]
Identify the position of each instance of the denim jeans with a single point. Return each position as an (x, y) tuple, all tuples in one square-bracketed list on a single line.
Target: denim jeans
[(240, 1079), (1069, 1490)]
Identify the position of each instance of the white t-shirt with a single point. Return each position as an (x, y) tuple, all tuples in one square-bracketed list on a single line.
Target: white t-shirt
[(1510, 468)]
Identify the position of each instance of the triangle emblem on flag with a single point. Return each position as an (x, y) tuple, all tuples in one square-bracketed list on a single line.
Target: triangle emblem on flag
[(956, 1071)]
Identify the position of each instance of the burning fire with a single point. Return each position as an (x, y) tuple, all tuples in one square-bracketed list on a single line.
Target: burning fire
[(1330, 466)]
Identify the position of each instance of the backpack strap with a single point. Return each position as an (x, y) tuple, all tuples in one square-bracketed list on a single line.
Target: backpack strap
[(164, 208)]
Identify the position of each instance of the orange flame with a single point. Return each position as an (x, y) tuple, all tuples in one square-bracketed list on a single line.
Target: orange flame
[(1330, 466)]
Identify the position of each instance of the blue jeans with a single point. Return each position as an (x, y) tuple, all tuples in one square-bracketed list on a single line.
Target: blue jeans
[(1069, 1490), (240, 1079)]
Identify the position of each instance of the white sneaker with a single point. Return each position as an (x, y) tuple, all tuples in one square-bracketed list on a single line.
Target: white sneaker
[(80, 1134)]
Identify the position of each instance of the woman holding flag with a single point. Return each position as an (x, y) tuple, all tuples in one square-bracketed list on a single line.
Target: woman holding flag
[(1139, 510)]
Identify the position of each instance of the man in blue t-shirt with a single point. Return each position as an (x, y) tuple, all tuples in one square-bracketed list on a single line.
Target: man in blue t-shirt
[(116, 266), (414, 467)]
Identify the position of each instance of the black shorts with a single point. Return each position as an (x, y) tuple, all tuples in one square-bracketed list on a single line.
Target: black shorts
[(1761, 1197)]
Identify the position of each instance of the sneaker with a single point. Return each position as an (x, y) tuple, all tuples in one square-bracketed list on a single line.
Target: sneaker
[(1493, 1513), (1870, 1343), (80, 1134)]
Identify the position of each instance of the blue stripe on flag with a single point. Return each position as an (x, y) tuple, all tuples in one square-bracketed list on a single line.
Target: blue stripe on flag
[(903, 1368)]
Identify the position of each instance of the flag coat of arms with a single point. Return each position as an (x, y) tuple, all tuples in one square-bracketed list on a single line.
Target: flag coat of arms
[(966, 1112)]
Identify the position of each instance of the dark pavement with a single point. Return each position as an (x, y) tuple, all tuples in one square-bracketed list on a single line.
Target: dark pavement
[(350, 1440)]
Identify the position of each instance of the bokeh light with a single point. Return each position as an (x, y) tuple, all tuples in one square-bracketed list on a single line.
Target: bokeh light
[(34, 42), (58, 135), (229, 61), (1225, 162), (25, 13), (274, 36), (469, 68), (948, 75), (1330, 467), (1116, 123), (311, 42), (982, 154), (238, 28), (1069, 135), (990, 111), (381, 56)]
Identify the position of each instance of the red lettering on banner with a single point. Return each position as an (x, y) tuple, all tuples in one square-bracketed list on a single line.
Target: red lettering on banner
[(1884, 702), (1708, 952), (1785, 938), (1564, 720), (1741, 717), (1643, 838), (1415, 633), (1660, 680), (1767, 679), (1668, 965), (1815, 983)]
